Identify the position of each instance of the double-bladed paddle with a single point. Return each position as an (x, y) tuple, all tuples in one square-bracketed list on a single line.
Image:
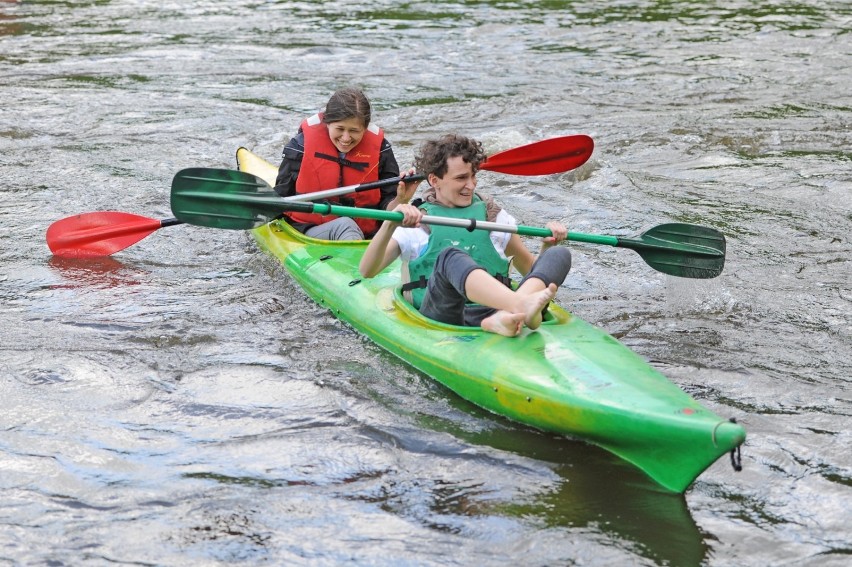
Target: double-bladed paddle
[(677, 249), (106, 232)]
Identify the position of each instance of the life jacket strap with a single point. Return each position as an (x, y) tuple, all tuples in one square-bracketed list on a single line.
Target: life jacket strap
[(359, 165), (416, 284)]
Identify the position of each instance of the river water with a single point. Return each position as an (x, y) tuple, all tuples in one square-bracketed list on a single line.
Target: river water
[(184, 403)]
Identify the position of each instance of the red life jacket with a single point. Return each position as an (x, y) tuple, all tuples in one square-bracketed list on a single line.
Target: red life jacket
[(322, 169)]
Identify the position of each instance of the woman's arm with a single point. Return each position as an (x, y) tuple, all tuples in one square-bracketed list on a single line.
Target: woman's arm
[(403, 192), (388, 167), (391, 195), (291, 163)]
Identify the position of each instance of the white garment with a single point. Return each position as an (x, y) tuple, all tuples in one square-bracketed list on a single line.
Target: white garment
[(413, 241)]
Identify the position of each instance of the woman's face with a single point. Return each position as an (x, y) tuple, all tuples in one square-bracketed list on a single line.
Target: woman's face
[(345, 134)]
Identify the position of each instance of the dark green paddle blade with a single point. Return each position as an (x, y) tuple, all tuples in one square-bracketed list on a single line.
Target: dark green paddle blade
[(679, 249), (223, 198)]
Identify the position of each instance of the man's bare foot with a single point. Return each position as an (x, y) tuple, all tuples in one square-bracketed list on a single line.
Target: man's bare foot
[(504, 323), (534, 303)]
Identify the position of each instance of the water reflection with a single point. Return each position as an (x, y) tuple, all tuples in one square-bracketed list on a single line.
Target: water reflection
[(597, 490), (95, 272)]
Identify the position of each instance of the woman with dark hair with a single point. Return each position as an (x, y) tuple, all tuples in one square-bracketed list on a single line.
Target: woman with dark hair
[(336, 148)]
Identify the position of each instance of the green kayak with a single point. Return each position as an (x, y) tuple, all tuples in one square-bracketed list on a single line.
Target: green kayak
[(566, 377)]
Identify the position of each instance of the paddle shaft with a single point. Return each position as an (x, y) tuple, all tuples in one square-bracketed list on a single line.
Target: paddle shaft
[(676, 249), (252, 181), (393, 216), (473, 224)]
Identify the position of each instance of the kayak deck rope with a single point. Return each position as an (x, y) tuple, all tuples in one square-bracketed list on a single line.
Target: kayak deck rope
[(736, 459), (736, 456)]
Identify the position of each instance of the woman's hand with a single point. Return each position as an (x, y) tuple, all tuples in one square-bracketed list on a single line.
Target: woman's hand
[(405, 190), (559, 231)]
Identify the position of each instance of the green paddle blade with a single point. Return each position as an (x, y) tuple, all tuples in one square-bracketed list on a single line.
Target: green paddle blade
[(679, 249), (223, 198)]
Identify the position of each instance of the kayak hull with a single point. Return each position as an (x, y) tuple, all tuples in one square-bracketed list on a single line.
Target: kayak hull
[(567, 377)]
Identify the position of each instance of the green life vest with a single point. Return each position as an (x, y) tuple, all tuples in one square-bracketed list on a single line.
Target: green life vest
[(477, 243)]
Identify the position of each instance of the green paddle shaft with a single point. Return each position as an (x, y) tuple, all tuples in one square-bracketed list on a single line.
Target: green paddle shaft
[(677, 249), (468, 224)]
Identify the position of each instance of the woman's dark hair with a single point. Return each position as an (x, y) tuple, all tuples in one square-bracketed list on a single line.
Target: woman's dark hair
[(435, 153), (347, 103)]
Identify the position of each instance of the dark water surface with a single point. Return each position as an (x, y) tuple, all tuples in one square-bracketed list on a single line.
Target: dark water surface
[(184, 403)]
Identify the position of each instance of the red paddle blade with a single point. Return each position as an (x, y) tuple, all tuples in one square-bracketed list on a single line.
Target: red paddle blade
[(98, 234), (556, 155)]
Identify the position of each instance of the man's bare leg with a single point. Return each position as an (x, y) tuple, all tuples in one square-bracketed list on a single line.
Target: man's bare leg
[(526, 311)]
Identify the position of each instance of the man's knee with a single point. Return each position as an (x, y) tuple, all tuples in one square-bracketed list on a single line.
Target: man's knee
[(553, 265), (560, 255)]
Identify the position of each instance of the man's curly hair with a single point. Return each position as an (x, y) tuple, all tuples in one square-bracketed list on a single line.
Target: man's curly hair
[(435, 153)]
